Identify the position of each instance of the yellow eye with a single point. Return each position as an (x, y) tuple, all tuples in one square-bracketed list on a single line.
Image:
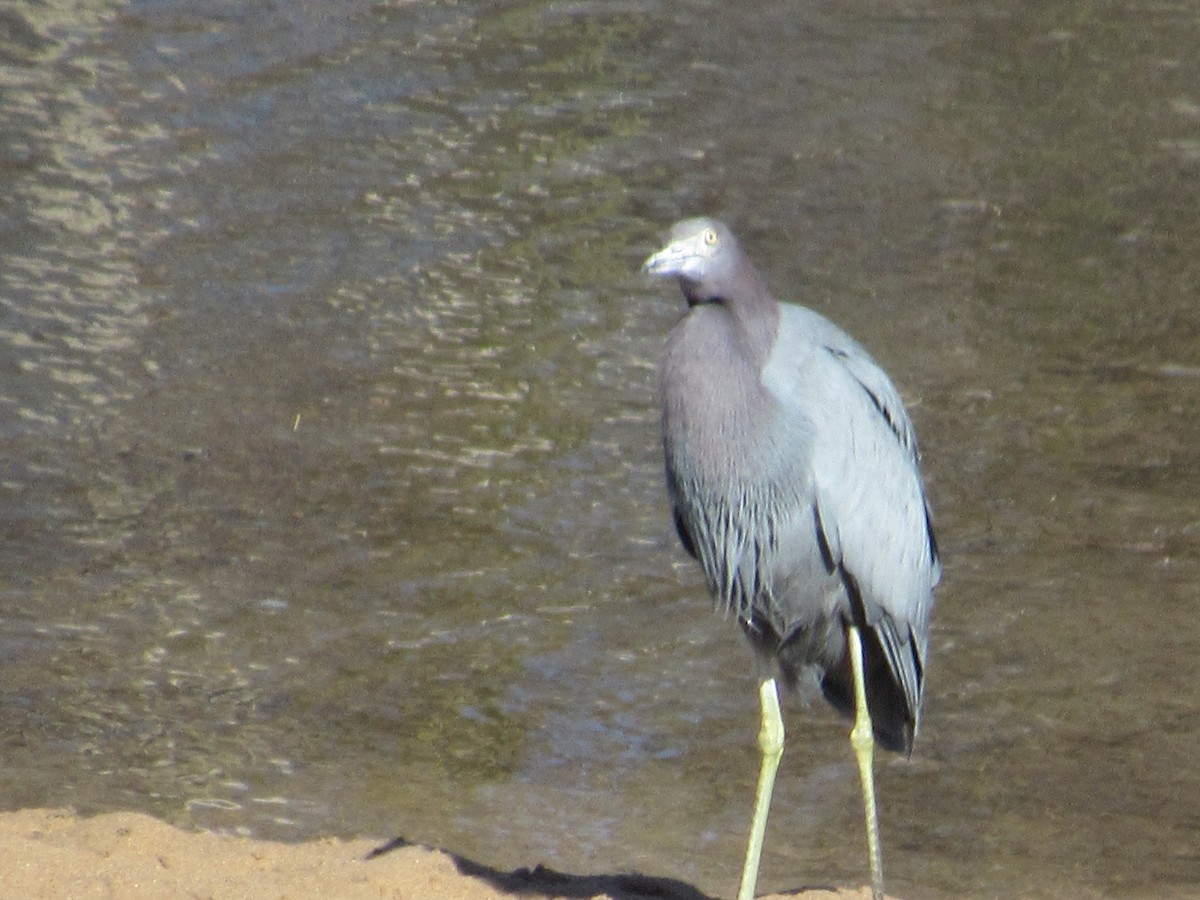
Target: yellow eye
[(710, 238)]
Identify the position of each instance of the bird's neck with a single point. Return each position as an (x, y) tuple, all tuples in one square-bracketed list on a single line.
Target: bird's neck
[(713, 397), (754, 314)]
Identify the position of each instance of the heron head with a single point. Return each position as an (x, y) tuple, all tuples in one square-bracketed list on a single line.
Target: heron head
[(704, 255)]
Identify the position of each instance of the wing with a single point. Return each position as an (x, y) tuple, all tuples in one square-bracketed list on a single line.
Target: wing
[(869, 510)]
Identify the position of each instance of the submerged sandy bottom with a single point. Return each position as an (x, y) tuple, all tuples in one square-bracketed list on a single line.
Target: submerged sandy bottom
[(55, 853)]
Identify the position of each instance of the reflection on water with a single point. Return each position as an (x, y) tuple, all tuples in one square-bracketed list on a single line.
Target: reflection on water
[(331, 495)]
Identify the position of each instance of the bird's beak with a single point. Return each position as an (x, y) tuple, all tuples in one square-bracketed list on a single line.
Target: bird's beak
[(670, 260)]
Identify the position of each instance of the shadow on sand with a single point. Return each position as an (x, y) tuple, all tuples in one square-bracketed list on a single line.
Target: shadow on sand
[(541, 881)]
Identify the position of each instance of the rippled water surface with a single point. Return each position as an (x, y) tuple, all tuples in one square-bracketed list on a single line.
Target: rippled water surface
[(330, 487)]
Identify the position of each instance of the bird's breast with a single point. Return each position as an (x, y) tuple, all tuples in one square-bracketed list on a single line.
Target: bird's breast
[(738, 468), (717, 416)]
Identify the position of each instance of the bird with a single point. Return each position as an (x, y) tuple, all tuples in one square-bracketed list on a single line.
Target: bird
[(793, 475)]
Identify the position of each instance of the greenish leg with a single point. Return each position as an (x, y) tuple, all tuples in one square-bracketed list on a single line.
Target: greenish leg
[(863, 741), (770, 741)]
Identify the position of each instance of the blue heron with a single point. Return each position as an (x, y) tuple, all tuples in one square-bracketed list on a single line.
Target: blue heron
[(792, 471)]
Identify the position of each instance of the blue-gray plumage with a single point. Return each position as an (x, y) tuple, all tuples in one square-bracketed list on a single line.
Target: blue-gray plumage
[(792, 470)]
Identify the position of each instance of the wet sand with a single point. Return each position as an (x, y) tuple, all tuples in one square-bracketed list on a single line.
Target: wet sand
[(53, 853)]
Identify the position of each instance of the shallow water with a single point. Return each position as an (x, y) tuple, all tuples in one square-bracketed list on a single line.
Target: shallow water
[(331, 497)]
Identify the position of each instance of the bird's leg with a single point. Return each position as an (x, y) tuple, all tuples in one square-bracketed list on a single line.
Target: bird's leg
[(770, 742), (862, 739)]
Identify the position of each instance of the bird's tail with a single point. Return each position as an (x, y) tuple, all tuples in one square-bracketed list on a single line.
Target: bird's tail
[(893, 683)]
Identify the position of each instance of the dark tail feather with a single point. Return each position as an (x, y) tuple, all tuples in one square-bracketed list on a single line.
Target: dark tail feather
[(892, 719)]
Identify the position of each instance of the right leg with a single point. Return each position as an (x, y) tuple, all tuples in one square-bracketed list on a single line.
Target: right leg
[(770, 742)]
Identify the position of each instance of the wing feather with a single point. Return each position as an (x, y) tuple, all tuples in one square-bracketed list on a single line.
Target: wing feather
[(869, 508)]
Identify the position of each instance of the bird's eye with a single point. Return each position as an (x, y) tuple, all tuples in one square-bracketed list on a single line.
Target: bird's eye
[(710, 238)]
